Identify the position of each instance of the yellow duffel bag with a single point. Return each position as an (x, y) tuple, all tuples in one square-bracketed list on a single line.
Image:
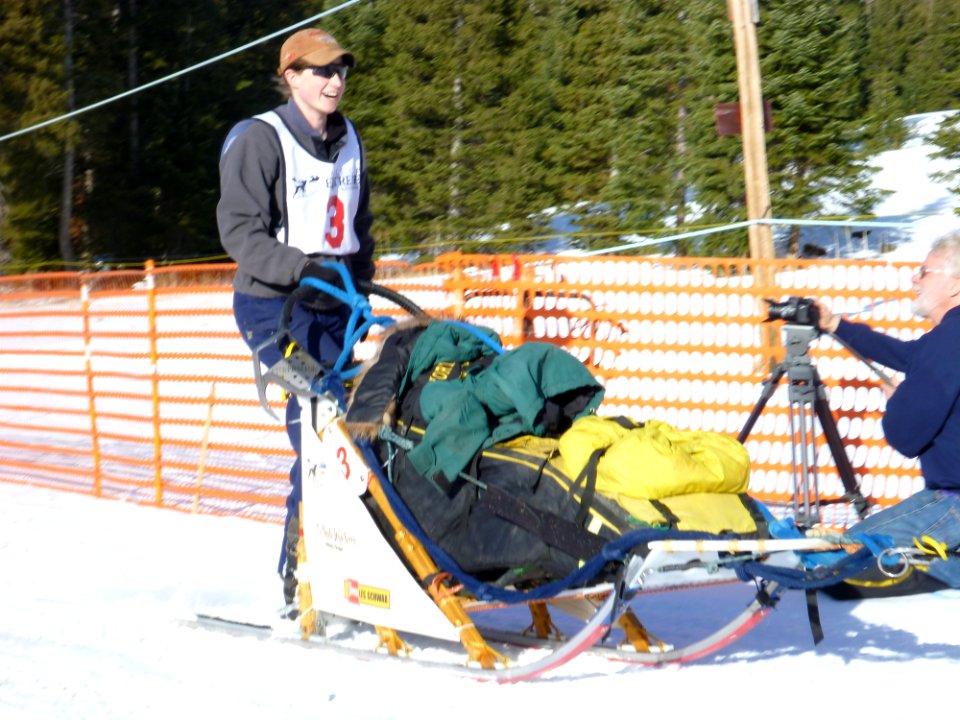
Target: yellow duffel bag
[(653, 460)]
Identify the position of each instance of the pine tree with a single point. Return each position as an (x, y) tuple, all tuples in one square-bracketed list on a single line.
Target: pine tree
[(527, 124), (411, 160), (891, 37), (712, 164), (581, 69), (947, 139), (931, 76), (647, 187), (31, 91), (812, 75), (152, 160), (362, 31), (503, 190), (476, 116)]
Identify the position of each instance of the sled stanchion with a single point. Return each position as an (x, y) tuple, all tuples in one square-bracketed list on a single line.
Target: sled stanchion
[(637, 635), (541, 624), (306, 613), (390, 639)]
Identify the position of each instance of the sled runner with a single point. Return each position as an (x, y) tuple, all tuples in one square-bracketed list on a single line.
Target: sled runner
[(475, 530)]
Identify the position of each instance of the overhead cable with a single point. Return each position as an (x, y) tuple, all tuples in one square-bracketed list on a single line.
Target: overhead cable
[(173, 76)]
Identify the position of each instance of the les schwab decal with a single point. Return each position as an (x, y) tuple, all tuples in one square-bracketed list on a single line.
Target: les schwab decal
[(358, 594)]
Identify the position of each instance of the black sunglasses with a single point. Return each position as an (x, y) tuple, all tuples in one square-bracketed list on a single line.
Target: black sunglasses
[(328, 71)]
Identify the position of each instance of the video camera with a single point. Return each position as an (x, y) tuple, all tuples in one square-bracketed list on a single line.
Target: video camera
[(796, 310)]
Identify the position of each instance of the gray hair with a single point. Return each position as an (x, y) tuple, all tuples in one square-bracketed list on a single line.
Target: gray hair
[(949, 245)]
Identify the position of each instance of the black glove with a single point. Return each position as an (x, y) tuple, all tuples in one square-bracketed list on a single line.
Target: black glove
[(322, 272), (330, 275), (322, 301)]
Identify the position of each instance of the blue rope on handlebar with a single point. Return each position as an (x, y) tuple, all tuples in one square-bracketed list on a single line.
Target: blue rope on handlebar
[(360, 308)]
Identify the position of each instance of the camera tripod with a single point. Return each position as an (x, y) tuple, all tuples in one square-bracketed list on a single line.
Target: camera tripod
[(808, 402)]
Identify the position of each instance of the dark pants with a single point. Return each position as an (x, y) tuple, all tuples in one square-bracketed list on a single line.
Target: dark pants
[(319, 333)]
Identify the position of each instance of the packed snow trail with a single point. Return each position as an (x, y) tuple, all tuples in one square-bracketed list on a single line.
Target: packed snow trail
[(93, 594)]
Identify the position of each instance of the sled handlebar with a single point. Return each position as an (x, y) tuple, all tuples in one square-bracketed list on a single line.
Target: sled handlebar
[(300, 373)]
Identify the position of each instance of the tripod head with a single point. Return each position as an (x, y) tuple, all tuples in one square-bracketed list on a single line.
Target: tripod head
[(802, 378), (797, 310), (797, 339)]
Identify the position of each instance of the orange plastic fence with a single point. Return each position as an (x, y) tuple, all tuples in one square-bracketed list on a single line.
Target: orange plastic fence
[(135, 384)]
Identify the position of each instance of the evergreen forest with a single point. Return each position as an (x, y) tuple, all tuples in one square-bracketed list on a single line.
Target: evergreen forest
[(483, 120)]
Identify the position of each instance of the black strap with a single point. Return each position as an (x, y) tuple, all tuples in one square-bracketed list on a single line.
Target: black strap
[(552, 529), (667, 513), (759, 519), (813, 615), (588, 478)]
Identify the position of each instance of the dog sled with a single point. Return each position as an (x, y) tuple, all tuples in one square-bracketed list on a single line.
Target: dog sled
[(512, 549)]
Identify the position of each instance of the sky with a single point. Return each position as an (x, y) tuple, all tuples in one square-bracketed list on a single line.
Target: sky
[(97, 599)]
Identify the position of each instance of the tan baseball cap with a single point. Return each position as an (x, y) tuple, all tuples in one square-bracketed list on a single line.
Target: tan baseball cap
[(315, 46)]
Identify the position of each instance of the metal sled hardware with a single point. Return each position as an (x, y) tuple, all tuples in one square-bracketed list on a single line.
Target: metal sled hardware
[(298, 374)]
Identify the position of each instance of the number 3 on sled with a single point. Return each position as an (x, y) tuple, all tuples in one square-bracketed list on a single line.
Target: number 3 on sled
[(350, 570)]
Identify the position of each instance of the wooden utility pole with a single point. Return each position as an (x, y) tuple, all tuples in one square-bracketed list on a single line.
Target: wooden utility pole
[(743, 17)]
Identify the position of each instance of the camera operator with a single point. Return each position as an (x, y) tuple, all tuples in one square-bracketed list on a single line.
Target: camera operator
[(922, 417)]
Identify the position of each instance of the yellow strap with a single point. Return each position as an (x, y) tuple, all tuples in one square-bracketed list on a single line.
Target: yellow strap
[(886, 582), (287, 353), (931, 547)]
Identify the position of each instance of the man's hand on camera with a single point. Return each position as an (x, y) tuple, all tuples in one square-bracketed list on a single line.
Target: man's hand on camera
[(827, 320)]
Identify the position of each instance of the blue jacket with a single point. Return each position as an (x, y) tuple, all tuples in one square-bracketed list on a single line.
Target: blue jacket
[(923, 416)]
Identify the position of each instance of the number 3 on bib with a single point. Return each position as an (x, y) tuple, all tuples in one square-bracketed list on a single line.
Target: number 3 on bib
[(335, 213)]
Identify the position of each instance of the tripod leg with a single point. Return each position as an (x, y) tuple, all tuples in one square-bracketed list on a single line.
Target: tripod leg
[(835, 443), (769, 386), (806, 490)]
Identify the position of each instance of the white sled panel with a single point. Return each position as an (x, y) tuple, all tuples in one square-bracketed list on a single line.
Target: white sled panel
[(352, 570)]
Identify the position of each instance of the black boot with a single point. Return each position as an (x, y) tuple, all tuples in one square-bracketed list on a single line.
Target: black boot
[(290, 609)]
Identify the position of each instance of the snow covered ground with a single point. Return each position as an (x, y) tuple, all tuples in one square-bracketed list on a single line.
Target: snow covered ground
[(93, 595)]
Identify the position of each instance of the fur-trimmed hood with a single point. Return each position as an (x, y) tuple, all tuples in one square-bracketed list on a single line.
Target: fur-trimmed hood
[(373, 399)]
